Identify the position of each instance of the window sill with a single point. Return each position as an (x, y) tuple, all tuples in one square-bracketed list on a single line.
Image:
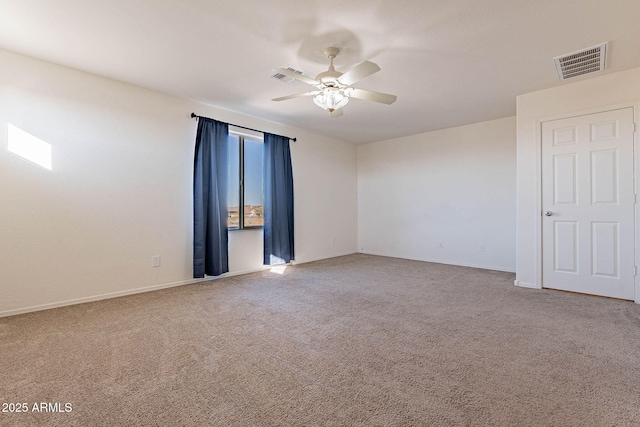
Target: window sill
[(257, 227)]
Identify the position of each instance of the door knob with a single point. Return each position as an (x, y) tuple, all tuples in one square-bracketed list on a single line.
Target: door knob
[(548, 213)]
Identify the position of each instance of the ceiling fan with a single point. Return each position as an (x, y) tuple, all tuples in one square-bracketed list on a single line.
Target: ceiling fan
[(333, 88)]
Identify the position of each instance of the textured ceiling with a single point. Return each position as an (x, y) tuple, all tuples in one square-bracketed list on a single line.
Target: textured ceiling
[(450, 62)]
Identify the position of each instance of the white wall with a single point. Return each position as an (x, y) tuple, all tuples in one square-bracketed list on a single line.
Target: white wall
[(455, 186), (120, 190), (585, 96)]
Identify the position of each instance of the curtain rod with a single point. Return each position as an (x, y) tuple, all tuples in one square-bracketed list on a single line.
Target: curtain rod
[(195, 116)]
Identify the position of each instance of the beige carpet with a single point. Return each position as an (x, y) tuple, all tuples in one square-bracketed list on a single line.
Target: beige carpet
[(352, 341)]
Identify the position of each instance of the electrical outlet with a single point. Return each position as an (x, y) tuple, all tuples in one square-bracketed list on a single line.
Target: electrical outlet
[(481, 247), (333, 240), (441, 244), (155, 261)]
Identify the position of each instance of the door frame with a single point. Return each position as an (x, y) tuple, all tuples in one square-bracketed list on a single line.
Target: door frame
[(636, 182)]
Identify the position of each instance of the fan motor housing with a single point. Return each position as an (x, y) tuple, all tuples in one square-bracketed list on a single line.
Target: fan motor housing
[(329, 77)]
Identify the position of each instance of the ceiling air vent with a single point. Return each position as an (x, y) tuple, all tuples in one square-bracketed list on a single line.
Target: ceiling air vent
[(581, 62), (289, 80)]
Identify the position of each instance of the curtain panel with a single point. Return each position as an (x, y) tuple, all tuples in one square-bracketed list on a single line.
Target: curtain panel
[(210, 199), (278, 200)]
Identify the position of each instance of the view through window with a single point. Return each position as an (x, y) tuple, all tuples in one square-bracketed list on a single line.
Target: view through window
[(245, 182)]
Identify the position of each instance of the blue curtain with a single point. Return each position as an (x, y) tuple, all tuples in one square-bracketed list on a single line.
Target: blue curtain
[(278, 200), (210, 199)]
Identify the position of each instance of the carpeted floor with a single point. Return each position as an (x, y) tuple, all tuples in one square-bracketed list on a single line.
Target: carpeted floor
[(351, 341)]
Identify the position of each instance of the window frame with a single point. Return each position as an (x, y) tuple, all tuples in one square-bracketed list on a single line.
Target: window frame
[(243, 135)]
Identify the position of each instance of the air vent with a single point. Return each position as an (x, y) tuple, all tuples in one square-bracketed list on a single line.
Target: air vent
[(289, 80), (581, 62)]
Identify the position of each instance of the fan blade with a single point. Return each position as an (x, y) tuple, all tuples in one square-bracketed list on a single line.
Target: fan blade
[(297, 95), (369, 95), (336, 113), (297, 76), (359, 72)]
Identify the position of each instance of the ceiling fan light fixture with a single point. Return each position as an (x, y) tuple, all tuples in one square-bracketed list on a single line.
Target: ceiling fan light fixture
[(333, 88), (331, 98)]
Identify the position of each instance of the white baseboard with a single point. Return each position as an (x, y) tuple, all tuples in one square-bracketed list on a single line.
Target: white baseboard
[(96, 297), (99, 297), (435, 261), (237, 273), (268, 267), (320, 258), (522, 284)]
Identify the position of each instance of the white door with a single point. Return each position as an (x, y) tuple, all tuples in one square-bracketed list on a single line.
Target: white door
[(588, 204)]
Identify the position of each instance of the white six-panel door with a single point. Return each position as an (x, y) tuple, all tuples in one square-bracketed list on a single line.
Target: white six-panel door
[(588, 204)]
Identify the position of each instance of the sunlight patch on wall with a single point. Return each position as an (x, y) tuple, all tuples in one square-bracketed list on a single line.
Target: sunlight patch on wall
[(29, 147)]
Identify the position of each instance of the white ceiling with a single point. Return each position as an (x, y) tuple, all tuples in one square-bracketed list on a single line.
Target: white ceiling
[(450, 62)]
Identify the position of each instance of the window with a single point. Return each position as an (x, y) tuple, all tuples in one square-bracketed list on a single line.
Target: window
[(245, 182)]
